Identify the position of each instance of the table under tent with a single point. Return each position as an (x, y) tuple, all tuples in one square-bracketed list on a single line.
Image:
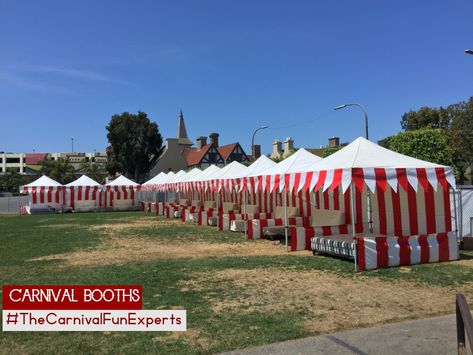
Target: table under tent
[(83, 195), (391, 209), (119, 195), (45, 196)]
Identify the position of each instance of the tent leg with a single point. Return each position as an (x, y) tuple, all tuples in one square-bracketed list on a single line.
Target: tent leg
[(455, 212), (286, 237), (244, 214), (352, 213)]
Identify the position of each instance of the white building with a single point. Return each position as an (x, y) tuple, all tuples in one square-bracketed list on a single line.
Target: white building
[(12, 162)]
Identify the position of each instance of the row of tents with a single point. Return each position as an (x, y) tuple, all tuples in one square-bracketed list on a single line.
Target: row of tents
[(379, 207), (81, 195)]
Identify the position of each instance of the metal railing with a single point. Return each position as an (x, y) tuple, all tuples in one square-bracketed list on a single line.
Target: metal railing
[(464, 323)]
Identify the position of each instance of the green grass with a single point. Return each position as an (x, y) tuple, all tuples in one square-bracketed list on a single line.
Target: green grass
[(26, 237)]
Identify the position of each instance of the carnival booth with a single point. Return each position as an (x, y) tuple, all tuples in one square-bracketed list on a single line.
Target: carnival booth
[(174, 199), (83, 194), (243, 204), (119, 194), (293, 206), (225, 201), (152, 200), (385, 208), (188, 211), (44, 196)]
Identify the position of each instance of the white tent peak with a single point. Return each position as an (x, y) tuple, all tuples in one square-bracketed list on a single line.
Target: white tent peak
[(43, 181), (208, 173), (301, 161), (259, 165), (156, 179), (362, 153), (230, 171), (122, 181), (84, 180)]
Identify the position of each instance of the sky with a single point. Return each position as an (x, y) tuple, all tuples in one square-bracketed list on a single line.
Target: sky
[(67, 66)]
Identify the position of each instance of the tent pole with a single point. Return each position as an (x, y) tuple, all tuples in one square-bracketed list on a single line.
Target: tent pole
[(455, 211), (244, 213), (352, 213), (285, 219), (217, 196), (460, 210), (370, 212)]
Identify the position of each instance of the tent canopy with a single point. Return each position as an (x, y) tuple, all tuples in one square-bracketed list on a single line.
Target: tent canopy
[(84, 180), (300, 161), (155, 180), (43, 181), (259, 165), (122, 181), (364, 162)]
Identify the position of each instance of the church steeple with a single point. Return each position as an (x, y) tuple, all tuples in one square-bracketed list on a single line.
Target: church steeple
[(181, 131)]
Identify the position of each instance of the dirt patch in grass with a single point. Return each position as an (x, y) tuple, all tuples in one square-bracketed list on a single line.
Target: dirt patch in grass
[(325, 301), (114, 251), (131, 223)]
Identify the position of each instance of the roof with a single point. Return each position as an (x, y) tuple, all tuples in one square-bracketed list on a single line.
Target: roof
[(35, 158), (259, 165), (181, 131), (84, 180), (122, 181), (208, 173), (362, 153), (43, 181), (192, 156), (156, 179), (230, 171), (300, 161), (226, 150)]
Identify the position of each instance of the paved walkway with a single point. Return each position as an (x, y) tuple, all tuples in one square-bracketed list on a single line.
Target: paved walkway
[(426, 336)]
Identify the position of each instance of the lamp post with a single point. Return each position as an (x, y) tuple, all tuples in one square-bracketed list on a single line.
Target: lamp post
[(362, 109), (253, 139), (469, 51)]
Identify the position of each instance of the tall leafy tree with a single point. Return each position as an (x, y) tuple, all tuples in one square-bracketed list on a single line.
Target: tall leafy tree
[(95, 171), (135, 144), (426, 117), (60, 170)]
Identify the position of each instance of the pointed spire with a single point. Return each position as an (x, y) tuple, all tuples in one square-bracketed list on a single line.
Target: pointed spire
[(181, 130)]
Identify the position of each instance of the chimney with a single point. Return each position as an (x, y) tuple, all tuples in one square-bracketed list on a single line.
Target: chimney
[(277, 149), (288, 146), (256, 151), (333, 142), (214, 139), (200, 142)]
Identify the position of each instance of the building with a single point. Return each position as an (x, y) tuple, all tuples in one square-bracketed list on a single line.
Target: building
[(32, 163), (280, 153), (12, 162), (179, 153)]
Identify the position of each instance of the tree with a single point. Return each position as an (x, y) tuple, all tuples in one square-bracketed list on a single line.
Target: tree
[(60, 170), (135, 144), (330, 150), (425, 144), (11, 180), (95, 171), (426, 117)]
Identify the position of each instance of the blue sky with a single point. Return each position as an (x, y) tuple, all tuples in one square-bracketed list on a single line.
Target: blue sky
[(66, 67)]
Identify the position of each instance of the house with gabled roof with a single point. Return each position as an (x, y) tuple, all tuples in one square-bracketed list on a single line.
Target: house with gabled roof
[(181, 154)]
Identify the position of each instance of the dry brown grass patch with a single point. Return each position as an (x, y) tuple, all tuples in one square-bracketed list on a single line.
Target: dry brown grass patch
[(328, 302)]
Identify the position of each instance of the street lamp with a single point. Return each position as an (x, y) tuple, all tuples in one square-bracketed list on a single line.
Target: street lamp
[(253, 139), (362, 109), (469, 51)]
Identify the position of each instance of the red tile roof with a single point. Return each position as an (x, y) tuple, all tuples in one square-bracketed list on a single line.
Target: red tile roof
[(35, 158), (192, 156), (226, 150)]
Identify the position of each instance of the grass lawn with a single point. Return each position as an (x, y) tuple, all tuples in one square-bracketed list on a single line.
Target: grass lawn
[(237, 293)]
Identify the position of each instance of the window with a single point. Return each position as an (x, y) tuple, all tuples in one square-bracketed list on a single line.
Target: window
[(13, 160)]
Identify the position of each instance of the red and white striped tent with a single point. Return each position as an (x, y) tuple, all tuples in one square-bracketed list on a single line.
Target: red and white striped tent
[(83, 194), (45, 193), (408, 198), (119, 194), (273, 178)]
